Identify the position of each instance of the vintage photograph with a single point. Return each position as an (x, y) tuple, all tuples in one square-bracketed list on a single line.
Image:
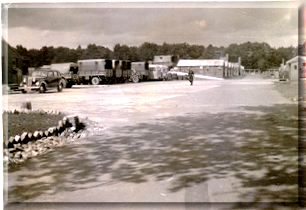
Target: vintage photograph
[(153, 103)]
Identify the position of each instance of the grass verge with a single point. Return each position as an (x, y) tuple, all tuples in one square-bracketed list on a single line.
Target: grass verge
[(16, 124), (289, 89)]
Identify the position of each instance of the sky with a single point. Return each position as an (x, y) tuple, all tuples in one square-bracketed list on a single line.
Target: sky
[(71, 27)]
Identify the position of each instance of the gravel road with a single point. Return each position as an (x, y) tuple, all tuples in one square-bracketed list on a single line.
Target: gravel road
[(215, 141)]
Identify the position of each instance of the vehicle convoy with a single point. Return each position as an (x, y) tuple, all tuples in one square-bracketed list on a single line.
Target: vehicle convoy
[(42, 80), (96, 71)]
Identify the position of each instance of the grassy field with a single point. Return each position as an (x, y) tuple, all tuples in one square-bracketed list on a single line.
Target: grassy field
[(288, 89), (16, 124)]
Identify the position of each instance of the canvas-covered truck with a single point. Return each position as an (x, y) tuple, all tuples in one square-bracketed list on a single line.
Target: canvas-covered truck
[(69, 71), (145, 71), (122, 70), (95, 71), (140, 71), (157, 72)]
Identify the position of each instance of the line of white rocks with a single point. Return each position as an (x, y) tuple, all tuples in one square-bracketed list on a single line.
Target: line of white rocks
[(24, 110), (21, 147)]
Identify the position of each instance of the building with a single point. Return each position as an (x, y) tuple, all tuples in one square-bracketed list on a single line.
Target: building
[(293, 68), (211, 67)]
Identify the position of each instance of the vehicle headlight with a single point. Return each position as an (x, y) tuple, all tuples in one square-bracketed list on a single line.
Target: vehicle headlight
[(37, 83)]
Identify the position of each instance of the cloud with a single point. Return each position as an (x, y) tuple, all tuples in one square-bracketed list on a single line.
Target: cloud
[(133, 26)]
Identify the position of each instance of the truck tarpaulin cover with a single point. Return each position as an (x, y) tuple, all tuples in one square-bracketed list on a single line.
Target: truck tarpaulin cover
[(63, 68)]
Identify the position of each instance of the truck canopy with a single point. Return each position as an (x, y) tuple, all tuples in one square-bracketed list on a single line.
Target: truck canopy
[(139, 66), (93, 65), (156, 67), (64, 68)]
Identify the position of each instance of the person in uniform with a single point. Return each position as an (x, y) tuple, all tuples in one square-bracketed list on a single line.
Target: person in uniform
[(190, 76)]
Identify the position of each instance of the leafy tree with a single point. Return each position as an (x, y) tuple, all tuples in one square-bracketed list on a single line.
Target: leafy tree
[(122, 52), (22, 50), (253, 55), (61, 55), (24, 55), (94, 52), (12, 63), (210, 52), (165, 49), (133, 54), (47, 55), (147, 50)]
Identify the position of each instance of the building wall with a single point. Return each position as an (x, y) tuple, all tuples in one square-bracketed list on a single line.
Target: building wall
[(214, 71), (293, 70), (302, 69), (202, 70)]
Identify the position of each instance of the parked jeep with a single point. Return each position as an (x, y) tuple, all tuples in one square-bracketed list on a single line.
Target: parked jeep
[(42, 80)]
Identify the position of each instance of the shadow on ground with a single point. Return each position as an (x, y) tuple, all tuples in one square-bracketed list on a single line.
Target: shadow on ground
[(258, 146)]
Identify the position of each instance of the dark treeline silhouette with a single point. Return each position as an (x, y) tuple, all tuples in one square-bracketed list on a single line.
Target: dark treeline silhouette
[(253, 55)]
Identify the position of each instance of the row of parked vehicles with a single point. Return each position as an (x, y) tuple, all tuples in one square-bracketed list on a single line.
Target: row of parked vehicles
[(92, 71)]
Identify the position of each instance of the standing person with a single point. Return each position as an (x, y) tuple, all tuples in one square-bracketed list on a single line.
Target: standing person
[(190, 76)]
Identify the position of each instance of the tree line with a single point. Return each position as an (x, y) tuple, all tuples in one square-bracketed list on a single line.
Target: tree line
[(254, 55)]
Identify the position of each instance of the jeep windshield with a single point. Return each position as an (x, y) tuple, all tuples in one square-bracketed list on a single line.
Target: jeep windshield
[(39, 74)]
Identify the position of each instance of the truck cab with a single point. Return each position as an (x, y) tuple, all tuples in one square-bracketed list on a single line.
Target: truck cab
[(157, 72)]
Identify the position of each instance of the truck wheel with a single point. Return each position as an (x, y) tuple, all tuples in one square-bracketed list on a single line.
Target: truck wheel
[(95, 81), (42, 89), (23, 91), (135, 79), (60, 87)]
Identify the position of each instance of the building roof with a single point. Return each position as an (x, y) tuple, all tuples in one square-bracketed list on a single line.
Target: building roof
[(295, 59)]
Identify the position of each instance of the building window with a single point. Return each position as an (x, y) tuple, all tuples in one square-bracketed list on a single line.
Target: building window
[(295, 67)]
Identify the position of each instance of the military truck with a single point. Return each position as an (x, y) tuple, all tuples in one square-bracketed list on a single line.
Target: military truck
[(157, 72), (140, 71), (95, 71), (145, 71)]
